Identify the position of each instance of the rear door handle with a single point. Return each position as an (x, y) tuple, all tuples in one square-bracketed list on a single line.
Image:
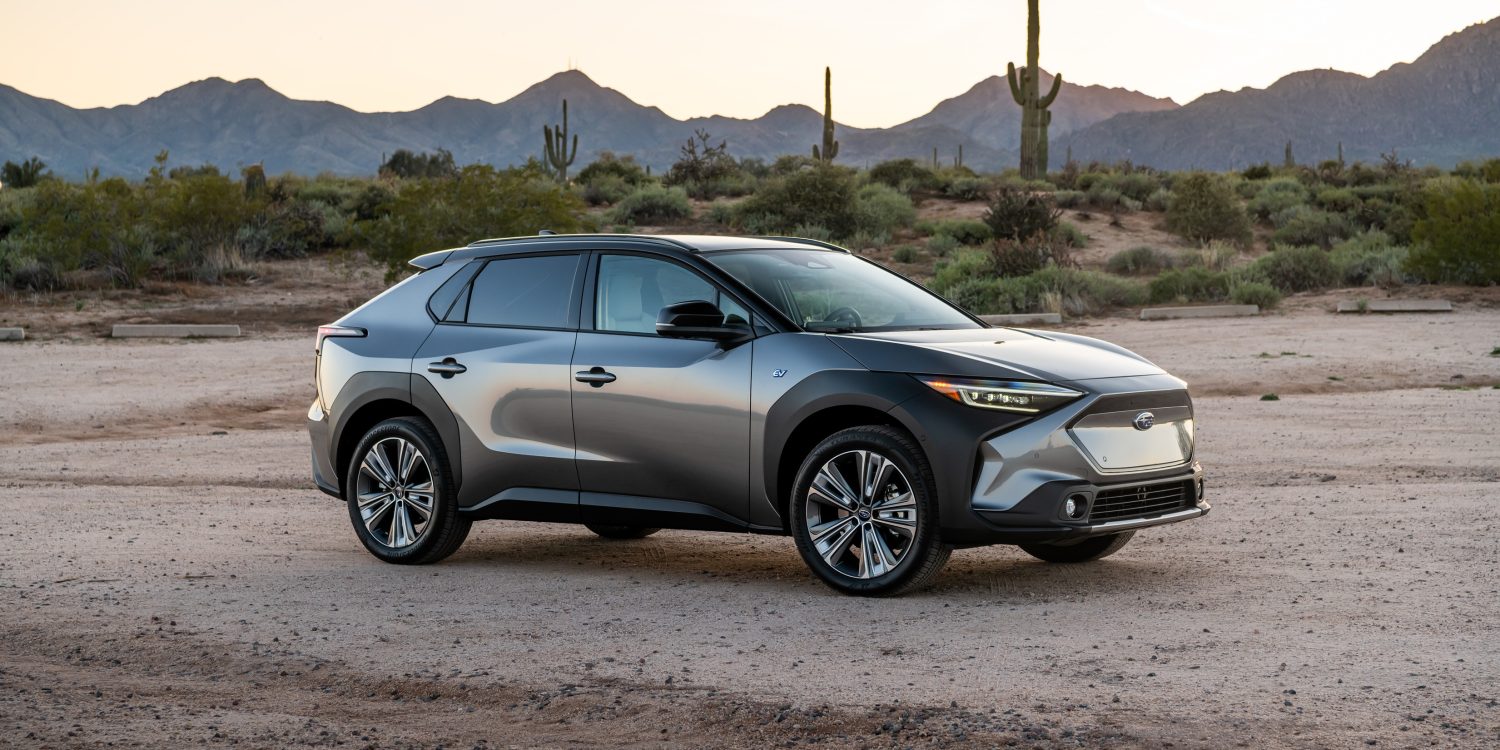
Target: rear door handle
[(595, 376), (447, 368)]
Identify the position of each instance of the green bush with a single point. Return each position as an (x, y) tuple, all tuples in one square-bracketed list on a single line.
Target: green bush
[(1134, 185), (965, 188), (288, 230), (1458, 241), (821, 195), (975, 295), (701, 161), (881, 209), (964, 231), (1159, 201), (1338, 200), (605, 189), (1215, 256), (1275, 196), (1101, 195), (480, 201), (1017, 214), (1302, 225), (1371, 259), (619, 169), (1070, 198), (942, 244), (1295, 269), (905, 254), (1255, 293), (1205, 208), (1195, 284), (905, 175), (1064, 290), (964, 264), (1069, 235), (1139, 261), (721, 212), (652, 204), (404, 164)]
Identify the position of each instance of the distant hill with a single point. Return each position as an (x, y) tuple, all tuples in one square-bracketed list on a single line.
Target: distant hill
[(1441, 109), (1438, 110), (231, 124)]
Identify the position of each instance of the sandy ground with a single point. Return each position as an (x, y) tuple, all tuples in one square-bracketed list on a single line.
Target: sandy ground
[(171, 579)]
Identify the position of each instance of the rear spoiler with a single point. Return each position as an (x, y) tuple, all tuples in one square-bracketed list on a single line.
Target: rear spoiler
[(430, 260)]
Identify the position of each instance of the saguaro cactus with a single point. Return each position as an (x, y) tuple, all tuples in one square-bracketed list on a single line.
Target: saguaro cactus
[(556, 140), (1025, 87), (1288, 160), (830, 146)]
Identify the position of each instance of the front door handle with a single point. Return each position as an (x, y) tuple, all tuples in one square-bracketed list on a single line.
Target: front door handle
[(595, 376), (447, 368)]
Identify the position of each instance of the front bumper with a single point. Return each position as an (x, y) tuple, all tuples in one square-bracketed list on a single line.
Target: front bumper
[(1101, 509)]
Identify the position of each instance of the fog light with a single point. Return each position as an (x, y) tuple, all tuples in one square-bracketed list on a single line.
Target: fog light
[(1074, 506)]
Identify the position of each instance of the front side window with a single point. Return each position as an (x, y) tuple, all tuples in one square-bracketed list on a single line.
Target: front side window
[(534, 292), (831, 291), (632, 290)]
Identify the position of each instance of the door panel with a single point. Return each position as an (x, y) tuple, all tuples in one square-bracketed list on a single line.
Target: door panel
[(512, 403), (674, 423)]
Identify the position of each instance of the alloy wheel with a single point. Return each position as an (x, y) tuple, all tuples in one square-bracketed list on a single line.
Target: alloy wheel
[(861, 514), (395, 492)]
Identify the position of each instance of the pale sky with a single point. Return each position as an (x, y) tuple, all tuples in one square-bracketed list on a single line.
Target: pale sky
[(892, 61)]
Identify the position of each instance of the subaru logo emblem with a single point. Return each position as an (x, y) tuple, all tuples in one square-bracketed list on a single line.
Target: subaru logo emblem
[(1144, 421)]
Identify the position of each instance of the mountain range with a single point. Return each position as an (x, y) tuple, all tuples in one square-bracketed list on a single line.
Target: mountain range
[(1438, 109)]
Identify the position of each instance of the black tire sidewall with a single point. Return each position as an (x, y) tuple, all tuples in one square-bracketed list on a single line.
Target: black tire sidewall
[(902, 450), (444, 506)]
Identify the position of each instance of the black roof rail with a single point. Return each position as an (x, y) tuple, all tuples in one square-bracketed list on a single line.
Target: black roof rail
[(550, 235), (806, 241)]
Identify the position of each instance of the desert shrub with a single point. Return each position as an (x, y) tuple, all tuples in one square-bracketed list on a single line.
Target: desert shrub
[(1139, 261), (964, 231), (1194, 284), (1260, 171), (701, 161), (480, 201), (26, 174), (619, 169), (1275, 196), (1070, 198), (1063, 290), (1458, 240), (1101, 195), (942, 244), (821, 195), (1338, 200), (1159, 201), (969, 263), (1303, 225), (1022, 257), (866, 240), (1295, 269), (813, 232), (605, 190), (966, 188), (1205, 208), (1135, 185), (1371, 259), (651, 204), (1015, 214), (405, 164), (1255, 293), (793, 163), (729, 186), (905, 254), (905, 175), (977, 295), (881, 209), (288, 230), (1068, 235), (720, 212)]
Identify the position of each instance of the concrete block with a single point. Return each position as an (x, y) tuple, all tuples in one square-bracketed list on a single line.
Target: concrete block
[(1398, 306), (12, 334), (1199, 311), (173, 330)]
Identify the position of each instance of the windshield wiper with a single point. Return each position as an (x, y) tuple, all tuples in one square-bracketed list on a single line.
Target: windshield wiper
[(830, 328)]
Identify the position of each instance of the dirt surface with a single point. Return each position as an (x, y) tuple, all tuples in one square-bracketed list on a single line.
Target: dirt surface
[(170, 578)]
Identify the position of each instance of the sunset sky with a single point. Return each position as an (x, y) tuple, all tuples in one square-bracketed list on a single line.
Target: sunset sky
[(892, 61)]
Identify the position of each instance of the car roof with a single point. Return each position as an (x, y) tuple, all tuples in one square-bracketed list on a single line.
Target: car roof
[(686, 243)]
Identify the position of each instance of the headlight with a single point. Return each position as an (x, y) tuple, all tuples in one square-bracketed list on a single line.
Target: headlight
[(1023, 398)]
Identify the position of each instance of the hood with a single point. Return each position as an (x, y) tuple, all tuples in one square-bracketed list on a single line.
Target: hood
[(995, 353)]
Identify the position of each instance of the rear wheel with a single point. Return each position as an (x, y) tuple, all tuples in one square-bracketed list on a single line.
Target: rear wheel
[(399, 490), (621, 532), (864, 513), (1093, 548)]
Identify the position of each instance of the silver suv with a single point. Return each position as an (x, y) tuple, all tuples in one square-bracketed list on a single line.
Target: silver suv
[(768, 385)]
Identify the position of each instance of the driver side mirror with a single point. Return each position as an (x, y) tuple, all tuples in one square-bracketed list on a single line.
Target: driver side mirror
[(697, 319)]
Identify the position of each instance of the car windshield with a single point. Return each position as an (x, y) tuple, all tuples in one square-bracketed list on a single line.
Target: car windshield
[(823, 290)]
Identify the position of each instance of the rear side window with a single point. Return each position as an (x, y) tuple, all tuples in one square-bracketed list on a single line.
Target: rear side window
[(535, 291)]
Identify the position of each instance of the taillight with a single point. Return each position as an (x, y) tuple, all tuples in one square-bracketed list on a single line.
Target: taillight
[(328, 332)]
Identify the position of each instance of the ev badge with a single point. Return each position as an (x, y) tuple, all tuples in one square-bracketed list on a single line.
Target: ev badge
[(1144, 420), (777, 373)]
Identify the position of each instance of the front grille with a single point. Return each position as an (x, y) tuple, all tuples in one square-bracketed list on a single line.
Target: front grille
[(1140, 501)]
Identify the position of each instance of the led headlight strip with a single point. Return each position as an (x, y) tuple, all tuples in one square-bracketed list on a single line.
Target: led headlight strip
[(1012, 396)]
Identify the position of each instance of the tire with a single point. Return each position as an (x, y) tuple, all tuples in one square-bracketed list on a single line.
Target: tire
[(882, 519), (621, 532), (429, 478), (1088, 550)]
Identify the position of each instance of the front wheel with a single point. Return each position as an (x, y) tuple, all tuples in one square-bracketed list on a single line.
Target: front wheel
[(399, 490), (1090, 549), (864, 513)]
